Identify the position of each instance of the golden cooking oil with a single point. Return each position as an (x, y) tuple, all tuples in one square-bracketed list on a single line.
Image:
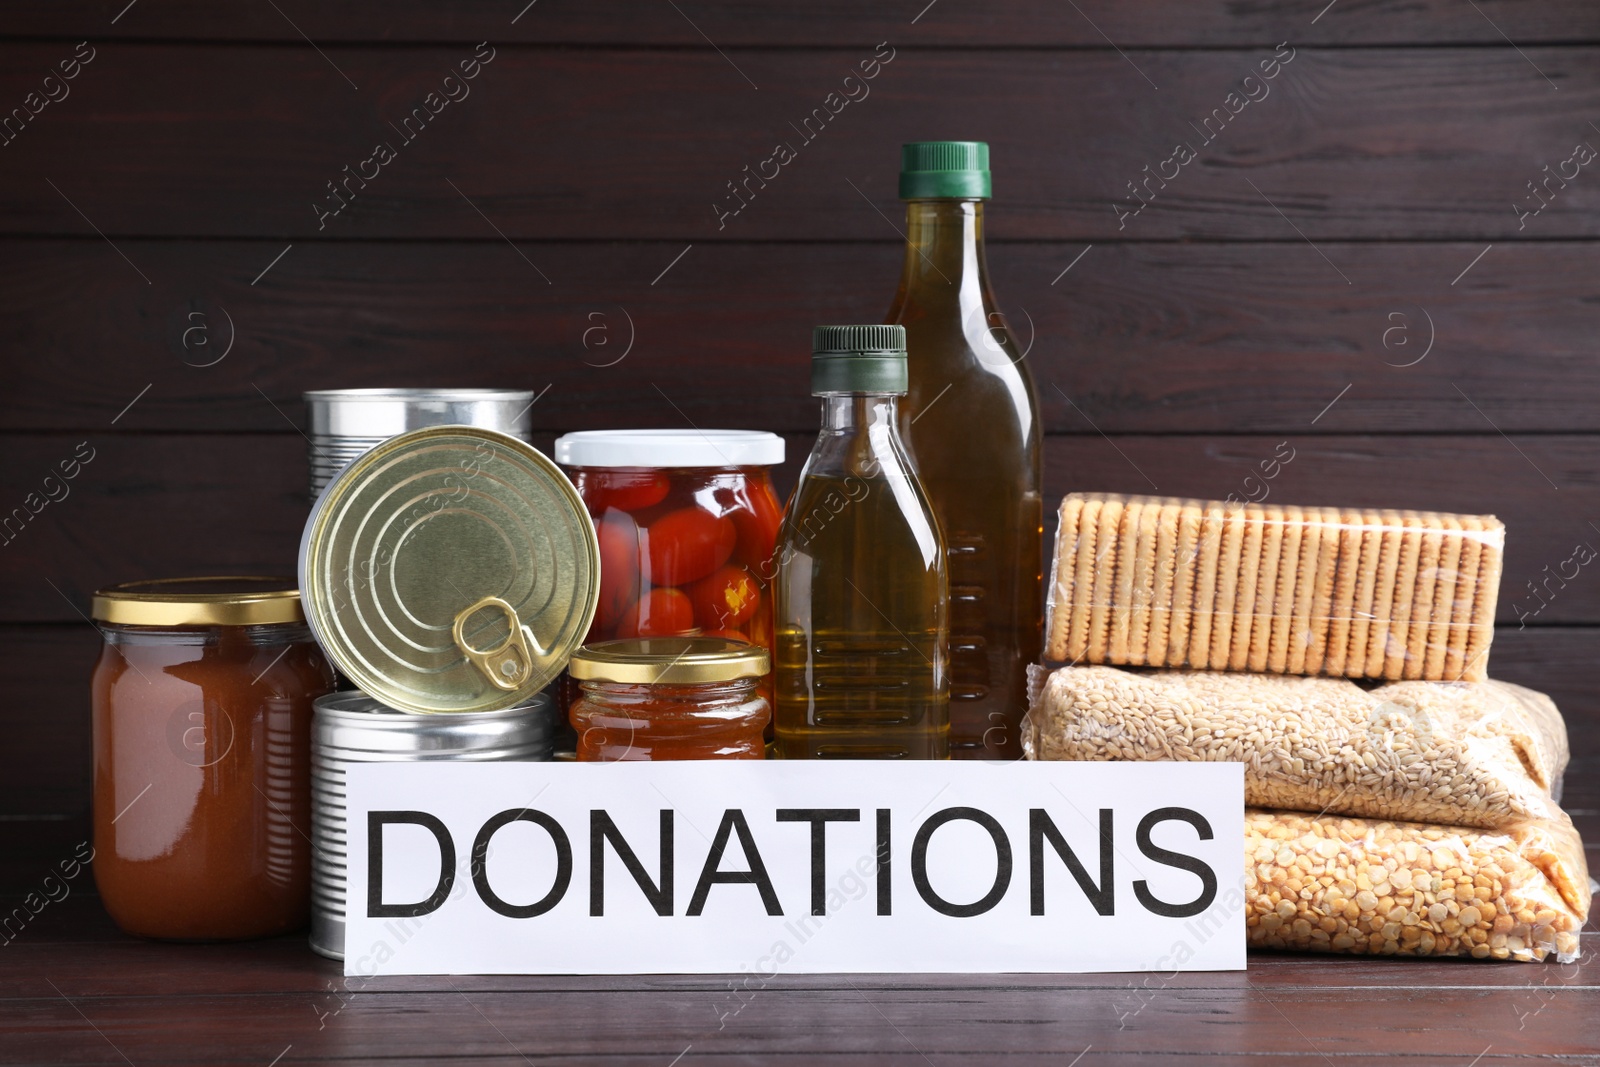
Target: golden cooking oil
[(971, 422), (862, 593)]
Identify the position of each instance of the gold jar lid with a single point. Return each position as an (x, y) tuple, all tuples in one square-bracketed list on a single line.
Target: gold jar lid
[(669, 661), (450, 569), (231, 600)]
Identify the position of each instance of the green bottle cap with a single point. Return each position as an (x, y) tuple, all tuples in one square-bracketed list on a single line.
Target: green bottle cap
[(944, 170), (858, 359)]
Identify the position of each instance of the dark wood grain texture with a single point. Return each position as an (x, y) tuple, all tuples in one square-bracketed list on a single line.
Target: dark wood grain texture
[(1031, 23), (521, 238), (849, 1022), (243, 141), (93, 1000), (46, 718), (1143, 338), (158, 505)]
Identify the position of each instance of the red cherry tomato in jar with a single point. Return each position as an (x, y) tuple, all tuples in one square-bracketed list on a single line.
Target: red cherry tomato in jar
[(619, 568), (757, 526), (627, 490), (686, 545), (725, 599), (658, 613)]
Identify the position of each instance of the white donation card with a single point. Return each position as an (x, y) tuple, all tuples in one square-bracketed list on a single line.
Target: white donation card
[(788, 867)]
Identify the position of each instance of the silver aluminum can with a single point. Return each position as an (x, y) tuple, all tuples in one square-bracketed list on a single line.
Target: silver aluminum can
[(352, 727), (347, 422)]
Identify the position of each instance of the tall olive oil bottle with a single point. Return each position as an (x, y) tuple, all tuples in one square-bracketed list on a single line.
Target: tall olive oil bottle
[(971, 421), (861, 596)]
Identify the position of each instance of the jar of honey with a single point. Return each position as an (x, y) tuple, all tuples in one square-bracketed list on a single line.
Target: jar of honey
[(670, 698), (202, 726)]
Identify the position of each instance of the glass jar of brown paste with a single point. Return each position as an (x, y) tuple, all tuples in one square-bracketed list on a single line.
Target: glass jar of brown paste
[(202, 719)]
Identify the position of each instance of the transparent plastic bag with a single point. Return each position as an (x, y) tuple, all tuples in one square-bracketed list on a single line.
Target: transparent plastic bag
[(1482, 754), (1325, 883)]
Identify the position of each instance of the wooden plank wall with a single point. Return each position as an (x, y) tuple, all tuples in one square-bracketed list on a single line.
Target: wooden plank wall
[(1384, 254)]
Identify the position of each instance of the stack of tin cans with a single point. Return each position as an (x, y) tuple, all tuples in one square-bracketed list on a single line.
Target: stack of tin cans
[(449, 573)]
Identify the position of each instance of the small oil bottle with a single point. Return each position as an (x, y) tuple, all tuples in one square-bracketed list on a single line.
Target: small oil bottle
[(862, 593)]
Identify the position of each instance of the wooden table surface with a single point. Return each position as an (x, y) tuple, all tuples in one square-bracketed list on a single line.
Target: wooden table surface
[(74, 990)]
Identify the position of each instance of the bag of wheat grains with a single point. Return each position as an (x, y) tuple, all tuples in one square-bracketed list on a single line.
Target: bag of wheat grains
[(1480, 754), (1325, 883)]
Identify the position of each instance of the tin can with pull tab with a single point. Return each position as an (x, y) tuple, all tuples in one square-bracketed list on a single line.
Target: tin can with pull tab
[(450, 569)]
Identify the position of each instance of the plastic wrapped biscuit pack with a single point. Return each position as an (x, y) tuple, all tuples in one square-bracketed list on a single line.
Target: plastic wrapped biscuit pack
[(1147, 581), (1401, 803)]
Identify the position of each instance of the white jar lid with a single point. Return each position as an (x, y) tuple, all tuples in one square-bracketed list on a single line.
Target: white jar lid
[(669, 448)]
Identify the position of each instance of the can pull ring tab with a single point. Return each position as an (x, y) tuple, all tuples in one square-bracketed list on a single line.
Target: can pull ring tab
[(509, 664)]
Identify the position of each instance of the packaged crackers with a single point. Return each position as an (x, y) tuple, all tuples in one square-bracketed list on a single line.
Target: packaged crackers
[(1207, 585)]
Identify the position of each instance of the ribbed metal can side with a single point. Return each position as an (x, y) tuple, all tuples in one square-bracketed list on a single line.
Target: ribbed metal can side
[(351, 727), (348, 422)]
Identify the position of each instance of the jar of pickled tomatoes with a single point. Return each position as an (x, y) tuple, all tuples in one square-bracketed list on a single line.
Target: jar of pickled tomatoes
[(688, 522)]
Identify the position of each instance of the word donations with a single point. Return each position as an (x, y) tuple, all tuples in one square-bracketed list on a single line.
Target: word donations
[(764, 868)]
